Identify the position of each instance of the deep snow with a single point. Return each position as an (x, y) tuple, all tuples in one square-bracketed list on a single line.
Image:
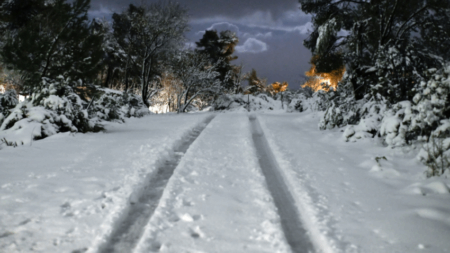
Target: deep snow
[(64, 193), (351, 198), (217, 200), (69, 192)]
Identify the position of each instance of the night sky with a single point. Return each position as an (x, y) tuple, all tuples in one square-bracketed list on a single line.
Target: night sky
[(271, 32)]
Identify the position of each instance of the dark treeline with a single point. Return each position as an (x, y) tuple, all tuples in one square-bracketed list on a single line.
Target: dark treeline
[(396, 40), (78, 73), (133, 53)]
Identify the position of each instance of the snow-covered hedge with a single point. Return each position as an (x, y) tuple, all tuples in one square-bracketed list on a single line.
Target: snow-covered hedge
[(55, 107)]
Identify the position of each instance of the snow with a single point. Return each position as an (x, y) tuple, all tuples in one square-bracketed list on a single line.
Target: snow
[(217, 200), (70, 192), (159, 108), (354, 200), (63, 193)]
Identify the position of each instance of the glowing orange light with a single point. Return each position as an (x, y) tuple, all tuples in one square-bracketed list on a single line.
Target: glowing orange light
[(323, 81), (277, 87)]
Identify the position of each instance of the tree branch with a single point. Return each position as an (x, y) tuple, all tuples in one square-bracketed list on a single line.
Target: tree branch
[(349, 1), (387, 28), (410, 18)]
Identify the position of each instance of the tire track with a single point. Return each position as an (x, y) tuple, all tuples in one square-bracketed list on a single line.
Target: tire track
[(294, 231), (130, 226)]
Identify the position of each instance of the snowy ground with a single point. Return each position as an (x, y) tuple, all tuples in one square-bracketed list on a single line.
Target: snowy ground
[(350, 202), (200, 183), (63, 193)]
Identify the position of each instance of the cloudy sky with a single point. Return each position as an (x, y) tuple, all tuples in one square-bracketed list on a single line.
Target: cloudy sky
[(270, 32)]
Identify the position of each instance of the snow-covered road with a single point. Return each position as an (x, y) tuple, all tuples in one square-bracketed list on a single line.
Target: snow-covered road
[(228, 182)]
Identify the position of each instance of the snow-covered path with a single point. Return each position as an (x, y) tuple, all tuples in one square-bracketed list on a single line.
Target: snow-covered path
[(144, 200), (230, 182), (64, 193), (358, 197), (294, 230), (217, 199)]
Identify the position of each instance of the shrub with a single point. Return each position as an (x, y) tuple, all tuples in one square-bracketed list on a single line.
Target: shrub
[(436, 156), (8, 101)]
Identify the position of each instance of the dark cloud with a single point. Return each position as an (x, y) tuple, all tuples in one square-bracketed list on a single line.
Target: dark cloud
[(208, 8), (270, 32), (276, 52), (238, 8), (285, 60)]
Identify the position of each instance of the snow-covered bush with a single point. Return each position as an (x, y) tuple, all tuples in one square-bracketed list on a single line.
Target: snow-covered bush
[(321, 100), (433, 119), (113, 105), (332, 118), (371, 115), (8, 101), (397, 71), (424, 119), (341, 108), (436, 153), (107, 107), (420, 118), (433, 103), (55, 108), (133, 106), (340, 115), (436, 156), (297, 103), (396, 124), (59, 97)]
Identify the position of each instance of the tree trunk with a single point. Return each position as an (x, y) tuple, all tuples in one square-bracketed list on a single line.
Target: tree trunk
[(108, 76), (126, 74)]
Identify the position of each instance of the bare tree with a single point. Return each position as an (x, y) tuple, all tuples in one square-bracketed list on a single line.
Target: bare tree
[(197, 76), (149, 34)]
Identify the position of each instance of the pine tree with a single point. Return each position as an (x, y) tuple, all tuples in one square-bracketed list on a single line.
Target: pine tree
[(220, 49), (375, 28), (57, 41), (19, 13), (255, 83)]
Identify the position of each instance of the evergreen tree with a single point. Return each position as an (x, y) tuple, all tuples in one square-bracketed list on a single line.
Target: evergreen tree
[(255, 83), (19, 13), (116, 64), (209, 45), (220, 49), (435, 36), (57, 41), (376, 28)]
